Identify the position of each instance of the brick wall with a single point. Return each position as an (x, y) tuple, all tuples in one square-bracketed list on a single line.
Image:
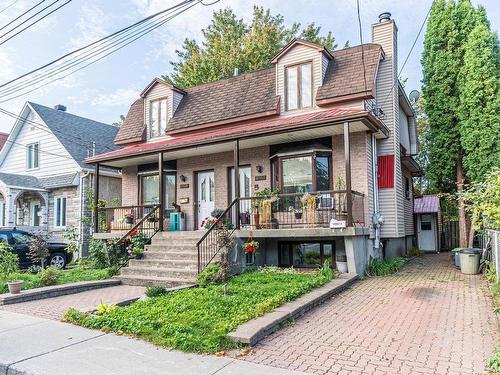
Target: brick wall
[(130, 186)]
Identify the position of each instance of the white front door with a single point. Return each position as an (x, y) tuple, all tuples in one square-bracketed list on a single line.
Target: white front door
[(245, 190), (426, 232), (34, 213), (206, 195)]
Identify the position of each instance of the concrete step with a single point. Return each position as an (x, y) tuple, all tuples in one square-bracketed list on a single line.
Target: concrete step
[(170, 255), (189, 274), (172, 247), (165, 263), (191, 235), (166, 282)]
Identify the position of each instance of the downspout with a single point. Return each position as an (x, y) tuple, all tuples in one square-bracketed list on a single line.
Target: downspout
[(377, 219), (82, 202)]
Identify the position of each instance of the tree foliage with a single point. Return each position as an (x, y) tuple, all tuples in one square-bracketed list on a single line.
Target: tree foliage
[(229, 42)]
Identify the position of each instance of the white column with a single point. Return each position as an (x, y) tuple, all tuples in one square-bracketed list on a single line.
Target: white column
[(10, 207)]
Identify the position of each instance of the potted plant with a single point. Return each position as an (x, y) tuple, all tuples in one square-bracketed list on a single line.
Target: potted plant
[(129, 217), (136, 251), (245, 218), (15, 286), (297, 212), (251, 246)]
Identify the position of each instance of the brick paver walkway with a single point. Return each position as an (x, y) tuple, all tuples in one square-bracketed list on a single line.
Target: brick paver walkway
[(427, 319), (54, 308)]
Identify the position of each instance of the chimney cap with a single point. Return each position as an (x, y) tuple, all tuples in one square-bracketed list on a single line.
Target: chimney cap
[(60, 107), (236, 72), (384, 17)]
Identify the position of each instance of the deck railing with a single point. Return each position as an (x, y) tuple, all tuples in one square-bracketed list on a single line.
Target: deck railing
[(121, 219)]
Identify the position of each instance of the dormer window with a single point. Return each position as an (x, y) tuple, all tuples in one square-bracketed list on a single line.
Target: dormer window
[(298, 86), (157, 117)]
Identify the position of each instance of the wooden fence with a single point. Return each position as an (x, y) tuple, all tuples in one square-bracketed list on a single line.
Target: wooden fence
[(449, 235)]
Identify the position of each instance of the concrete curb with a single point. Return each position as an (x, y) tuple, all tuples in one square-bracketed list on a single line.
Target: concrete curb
[(256, 329), (55, 291)]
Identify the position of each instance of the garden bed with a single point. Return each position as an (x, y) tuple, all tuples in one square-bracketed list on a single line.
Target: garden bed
[(199, 319), (75, 275)]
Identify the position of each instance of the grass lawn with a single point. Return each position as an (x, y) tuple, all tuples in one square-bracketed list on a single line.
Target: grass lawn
[(68, 276), (198, 319)]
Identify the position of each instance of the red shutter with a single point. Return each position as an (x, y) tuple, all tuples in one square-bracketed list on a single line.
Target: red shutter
[(386, 172)]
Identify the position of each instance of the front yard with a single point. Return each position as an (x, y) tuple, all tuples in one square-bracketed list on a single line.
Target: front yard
[(198, 320), (35, 280)]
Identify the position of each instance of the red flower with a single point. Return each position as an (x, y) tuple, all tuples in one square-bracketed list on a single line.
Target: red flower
[(250, 249), (133, 233)]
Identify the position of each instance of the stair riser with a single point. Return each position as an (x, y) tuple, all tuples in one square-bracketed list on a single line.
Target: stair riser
[(172, 247), (180, 273), (192, 265), (150, 255), (176, 235), (173, 243), (165, 284)]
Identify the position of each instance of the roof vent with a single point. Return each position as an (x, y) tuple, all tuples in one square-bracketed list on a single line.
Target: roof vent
[(236, 72), (384, 17), (60, 107)]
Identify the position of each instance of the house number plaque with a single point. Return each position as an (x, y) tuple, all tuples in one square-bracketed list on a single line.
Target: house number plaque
[(184, 200), (260, 178), (184, 186)]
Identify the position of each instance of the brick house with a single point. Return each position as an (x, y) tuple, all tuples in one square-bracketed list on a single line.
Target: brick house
[(43, 179), (332, 133)]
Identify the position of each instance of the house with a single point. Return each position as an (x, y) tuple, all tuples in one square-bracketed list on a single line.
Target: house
[(3, 139), (332, 131), (43, 179), (428, 222)]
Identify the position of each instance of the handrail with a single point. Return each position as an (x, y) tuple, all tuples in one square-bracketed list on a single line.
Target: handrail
[(124, 207), (140, 222), (210, 235)]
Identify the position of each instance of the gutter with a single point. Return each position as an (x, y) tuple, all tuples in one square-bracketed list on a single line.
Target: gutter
[(80, 225), (377, 220)]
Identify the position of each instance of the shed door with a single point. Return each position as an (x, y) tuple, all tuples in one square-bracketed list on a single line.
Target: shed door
[(427, 232)]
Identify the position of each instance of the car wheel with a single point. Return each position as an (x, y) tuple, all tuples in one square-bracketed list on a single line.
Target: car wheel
[(57, 260)]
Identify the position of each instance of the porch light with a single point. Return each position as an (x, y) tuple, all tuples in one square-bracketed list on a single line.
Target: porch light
[(259, 168), (183, 178)]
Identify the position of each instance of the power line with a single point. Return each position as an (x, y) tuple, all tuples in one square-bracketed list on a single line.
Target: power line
[(14, 143), (409, 53), (95, 42), (362, 47), (8, 6), (21, 15), (86, 55), (35, 22)]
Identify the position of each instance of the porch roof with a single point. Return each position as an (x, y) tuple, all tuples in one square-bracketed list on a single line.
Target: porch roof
[(250, 131), (426, 204), (28, 182)]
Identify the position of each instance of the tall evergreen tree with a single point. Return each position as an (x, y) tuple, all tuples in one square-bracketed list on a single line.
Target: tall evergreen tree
[(229, 42)]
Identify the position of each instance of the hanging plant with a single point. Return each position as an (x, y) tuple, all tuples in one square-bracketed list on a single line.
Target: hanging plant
[(251, 246)]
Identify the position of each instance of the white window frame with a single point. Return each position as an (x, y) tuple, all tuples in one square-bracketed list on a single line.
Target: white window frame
[(58, 210), (159, 128), (298, 88), (30, 152)]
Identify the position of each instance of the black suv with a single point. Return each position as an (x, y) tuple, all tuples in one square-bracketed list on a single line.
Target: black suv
[(20, 241)]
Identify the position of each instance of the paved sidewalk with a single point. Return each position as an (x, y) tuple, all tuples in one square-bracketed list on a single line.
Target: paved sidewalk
[(36, 346), (428, 319), (54, 308)]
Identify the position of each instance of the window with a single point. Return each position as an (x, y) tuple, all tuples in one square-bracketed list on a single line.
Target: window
[(407, 188), (157, 117), (298, 83), (20, 238), (60, 212), (305, 254), (150, 193), (32, 155)]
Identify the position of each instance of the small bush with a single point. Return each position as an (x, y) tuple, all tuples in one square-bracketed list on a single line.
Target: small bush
[(274, 269), (212, 274), (105, 308), (155, 291), (34, 269), (326, 271), (49, 276), (494, 361), (38, 252), (9, 261), (105, 254), (380, 267)]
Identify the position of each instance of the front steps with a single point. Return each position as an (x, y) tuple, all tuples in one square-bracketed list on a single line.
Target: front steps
[(170, 261)]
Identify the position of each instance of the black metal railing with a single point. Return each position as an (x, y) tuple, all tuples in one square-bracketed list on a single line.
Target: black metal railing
[(148, 225), (300, 210), (218, 236)]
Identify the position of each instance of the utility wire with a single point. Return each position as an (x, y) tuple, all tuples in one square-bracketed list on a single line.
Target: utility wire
[(14, 143), (81, 57), (362, 47), (408, 55), (95, 42), (35, 22), (8, 6), (98, 59), (21, 15)]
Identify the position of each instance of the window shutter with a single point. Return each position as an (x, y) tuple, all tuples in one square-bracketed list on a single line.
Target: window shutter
[(386, 172)]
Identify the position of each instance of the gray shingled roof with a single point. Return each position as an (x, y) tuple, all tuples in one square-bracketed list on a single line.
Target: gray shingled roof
[(58, 181), (19, 180), (76, 132)]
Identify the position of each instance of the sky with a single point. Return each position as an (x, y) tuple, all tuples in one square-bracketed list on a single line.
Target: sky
[(105, 90)]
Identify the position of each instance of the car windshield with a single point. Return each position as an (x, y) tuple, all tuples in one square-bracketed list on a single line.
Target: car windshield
[(21, 238)]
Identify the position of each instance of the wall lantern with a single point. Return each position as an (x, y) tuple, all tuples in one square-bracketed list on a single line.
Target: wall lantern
[(183, 178), (259, 168)]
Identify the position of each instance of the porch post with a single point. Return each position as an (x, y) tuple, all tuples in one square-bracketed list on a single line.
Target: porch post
[(96, 198), (347, 157), (161, 190), (237, 181)]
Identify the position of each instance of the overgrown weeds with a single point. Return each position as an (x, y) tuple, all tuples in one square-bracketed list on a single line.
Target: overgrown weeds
[(381, 267)]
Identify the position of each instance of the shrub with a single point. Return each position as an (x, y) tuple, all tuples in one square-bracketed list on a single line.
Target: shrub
[(274, 269), (38, 251), (105, 254), (9, 261), (155, 291), (494, 361), (105, 308), (34, 269), (49, 276), (213, 274), (326, 271), (380, 267)]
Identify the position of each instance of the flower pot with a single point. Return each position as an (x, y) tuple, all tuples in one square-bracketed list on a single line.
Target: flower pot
[(244, 218), (256, 219), (298, 215), (129, 220), (15, 286)]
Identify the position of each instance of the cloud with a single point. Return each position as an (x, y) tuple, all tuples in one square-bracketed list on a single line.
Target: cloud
[(91, 24), (120, 97)]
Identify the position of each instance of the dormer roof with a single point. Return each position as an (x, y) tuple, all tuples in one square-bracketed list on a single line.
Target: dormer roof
[(302, 42), (160, 81)]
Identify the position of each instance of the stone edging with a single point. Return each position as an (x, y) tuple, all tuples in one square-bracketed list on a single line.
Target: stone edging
[(55, 291), (256, 329)]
